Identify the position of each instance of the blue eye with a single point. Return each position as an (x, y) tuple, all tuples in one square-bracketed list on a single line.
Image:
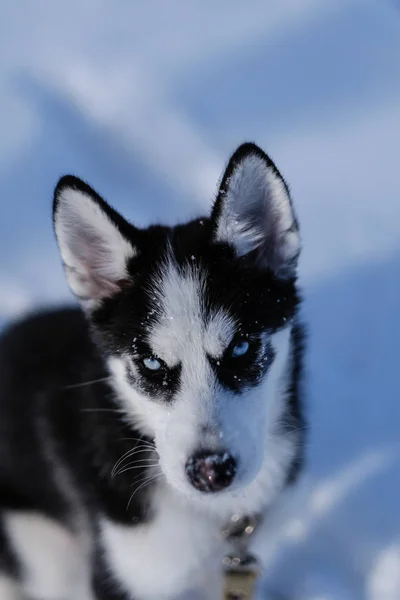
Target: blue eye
[(240, 349), (152, 364)]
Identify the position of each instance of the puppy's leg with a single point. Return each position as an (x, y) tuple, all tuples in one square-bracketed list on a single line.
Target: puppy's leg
[(8, 588), (53, 565)]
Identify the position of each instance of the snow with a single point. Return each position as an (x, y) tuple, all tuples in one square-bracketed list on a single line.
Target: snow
[(146, 101)]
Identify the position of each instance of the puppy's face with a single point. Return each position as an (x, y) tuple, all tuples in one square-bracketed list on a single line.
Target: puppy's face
[(196, 322)]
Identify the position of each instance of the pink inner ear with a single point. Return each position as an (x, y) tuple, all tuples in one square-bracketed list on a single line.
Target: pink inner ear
[(94, 250), (88, 286), (97, 263), (99, 277)]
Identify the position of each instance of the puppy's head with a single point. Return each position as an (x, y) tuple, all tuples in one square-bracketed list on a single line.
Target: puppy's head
[(196, 324)]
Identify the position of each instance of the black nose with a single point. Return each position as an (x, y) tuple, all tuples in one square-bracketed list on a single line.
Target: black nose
[(211, 472)]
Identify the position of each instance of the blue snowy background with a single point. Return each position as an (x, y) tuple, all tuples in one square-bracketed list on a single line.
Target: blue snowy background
[(146, 100)]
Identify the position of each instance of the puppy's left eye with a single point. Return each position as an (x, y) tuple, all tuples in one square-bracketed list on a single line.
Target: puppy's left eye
[(152, 363), (240, 349)]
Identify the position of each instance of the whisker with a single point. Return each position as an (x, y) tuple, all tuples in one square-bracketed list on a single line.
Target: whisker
[(134, 452), (134, 439), (78, 385), (141, 461), (141, 444), (125, 469), (130, 453), (147, 478), (291, 431), (117, 410), (146, 482), (118, 462)]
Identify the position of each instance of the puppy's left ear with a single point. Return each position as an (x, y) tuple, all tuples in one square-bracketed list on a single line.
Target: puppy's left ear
[(253, 212)]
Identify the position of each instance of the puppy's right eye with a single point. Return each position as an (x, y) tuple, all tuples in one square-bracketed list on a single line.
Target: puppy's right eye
[(152, 363), (240, 349)]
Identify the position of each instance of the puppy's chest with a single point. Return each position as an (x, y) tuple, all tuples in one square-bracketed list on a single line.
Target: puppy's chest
[(170, 554)]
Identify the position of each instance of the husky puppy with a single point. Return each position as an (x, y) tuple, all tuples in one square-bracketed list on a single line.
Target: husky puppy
[(134, 427)]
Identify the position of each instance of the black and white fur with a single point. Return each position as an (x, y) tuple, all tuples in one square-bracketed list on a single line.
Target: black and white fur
[(95, 501)]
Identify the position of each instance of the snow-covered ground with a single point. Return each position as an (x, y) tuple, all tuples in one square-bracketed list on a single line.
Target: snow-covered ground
[(146, 101)]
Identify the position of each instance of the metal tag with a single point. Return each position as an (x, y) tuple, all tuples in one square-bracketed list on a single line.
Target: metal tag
[(240, 568), (238, 585)]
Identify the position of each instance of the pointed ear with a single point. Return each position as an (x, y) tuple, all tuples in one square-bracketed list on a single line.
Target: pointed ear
[(253, 212), (93, 241)]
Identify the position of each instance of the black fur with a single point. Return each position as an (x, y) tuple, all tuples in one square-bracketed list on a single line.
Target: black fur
[(84, 422)]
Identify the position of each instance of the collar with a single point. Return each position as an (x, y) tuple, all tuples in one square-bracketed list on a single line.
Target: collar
[(240, 568)]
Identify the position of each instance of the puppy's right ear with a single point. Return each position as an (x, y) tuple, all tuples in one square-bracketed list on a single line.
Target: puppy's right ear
[(95, 242)]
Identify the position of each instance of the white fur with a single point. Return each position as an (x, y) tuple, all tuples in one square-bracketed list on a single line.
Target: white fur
[(257, 207), (181, 326), (8, 589), (245, 425), (93, 250), (54, 564), (170, 555), (181, 548)]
